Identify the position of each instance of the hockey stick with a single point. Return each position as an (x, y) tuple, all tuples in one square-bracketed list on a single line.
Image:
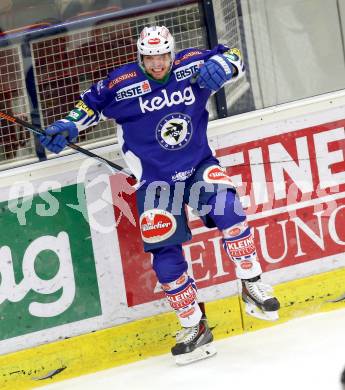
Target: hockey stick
[(37, 131)]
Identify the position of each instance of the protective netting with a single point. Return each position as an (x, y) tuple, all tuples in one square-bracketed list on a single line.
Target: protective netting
[(57, 68), (229, 33), (15, 142)]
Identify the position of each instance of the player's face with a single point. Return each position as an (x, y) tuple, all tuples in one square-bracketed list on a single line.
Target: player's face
[(157, 66)]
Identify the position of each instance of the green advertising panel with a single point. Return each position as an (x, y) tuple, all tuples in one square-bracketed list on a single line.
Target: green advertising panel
[(47, 265)]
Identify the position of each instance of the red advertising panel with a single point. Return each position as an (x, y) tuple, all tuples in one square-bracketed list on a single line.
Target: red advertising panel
[(292, 186)]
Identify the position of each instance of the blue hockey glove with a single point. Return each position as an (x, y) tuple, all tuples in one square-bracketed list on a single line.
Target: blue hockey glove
[(58, 135), (215, 72)]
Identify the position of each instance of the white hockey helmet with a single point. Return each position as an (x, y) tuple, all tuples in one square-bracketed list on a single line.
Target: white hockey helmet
[(155, 40)]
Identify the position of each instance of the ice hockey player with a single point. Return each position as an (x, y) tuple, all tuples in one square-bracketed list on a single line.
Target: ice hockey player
[(161, 117)]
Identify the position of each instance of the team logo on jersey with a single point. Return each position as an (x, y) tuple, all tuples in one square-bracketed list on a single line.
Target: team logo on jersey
[(174, 131), (133, 90), (157, 225), (188, 70), (217, 175)]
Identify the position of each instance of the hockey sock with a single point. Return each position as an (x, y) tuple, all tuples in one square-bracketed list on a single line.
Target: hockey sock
[(182, 297)]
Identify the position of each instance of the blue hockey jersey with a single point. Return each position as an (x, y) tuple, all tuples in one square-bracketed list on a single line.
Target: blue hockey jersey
[(161, 126)]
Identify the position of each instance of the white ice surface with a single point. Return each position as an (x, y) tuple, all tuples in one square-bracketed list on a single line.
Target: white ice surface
[(303, 354)]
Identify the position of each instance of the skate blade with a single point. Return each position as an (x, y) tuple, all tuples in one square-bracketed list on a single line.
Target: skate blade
[(203, 352), (254, 311)]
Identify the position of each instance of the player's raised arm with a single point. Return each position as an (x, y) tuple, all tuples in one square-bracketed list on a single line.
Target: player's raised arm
[(87, 112), (221, 69)]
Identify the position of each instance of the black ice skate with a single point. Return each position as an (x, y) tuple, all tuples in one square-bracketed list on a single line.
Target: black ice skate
[(258, 299), (193, 344)]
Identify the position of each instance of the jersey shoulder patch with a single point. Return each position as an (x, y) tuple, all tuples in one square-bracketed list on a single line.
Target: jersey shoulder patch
[(189, 55), (123, 76), (188, 62), (128, 82)]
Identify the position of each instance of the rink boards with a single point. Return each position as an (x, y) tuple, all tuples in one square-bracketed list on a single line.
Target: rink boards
[(68, 271)]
